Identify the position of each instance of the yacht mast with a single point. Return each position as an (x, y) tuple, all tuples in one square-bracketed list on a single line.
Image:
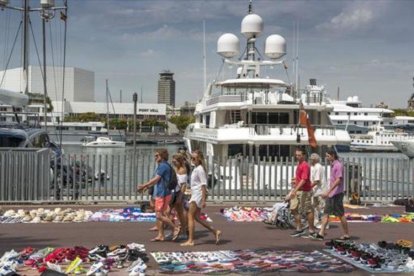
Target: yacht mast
[(107, 105), (26, 20)]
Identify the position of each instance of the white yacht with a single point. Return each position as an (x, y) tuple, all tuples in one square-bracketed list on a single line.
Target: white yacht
[(356, 119), (378, 139), (252, 112), (102, 142)]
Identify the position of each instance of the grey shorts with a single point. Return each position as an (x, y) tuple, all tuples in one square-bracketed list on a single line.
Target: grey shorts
[(334, 205)]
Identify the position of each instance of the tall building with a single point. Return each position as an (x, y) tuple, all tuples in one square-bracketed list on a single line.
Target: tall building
[(166, 88), (79, 83)]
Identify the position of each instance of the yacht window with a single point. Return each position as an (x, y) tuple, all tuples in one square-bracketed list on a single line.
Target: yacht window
[(366, 113), (366, 123), (339, 122), (336, 113), (348, 113), (40, 141), (355, 113), (234, 149)]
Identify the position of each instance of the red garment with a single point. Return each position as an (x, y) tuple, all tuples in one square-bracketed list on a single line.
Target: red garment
[(303, 172)]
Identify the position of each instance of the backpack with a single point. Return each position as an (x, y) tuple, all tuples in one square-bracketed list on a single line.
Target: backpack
[(173, 179)]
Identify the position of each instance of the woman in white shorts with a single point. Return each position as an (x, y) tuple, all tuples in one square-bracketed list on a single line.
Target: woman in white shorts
[(198, 198)]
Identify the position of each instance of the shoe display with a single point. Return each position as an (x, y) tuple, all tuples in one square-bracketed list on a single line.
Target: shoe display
[(381, 257)]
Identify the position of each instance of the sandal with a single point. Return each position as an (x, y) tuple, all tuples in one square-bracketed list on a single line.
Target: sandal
[(344, 238)]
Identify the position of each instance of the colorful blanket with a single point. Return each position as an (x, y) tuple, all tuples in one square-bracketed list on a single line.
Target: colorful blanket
[(248, 261), (246, 214)]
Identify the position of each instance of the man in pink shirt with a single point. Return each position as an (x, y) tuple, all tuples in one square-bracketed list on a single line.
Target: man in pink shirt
[(334, 197), (301, 196)]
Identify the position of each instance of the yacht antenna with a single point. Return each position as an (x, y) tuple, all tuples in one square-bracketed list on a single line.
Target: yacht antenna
[(250, 7), (107, 105), (204, 56), (297, 59)]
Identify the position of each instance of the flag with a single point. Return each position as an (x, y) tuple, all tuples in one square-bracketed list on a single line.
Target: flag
[(305, 122)]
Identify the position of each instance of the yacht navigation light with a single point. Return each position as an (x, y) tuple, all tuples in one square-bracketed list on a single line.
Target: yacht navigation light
[(228, 45), (251, 26), (275, 46)]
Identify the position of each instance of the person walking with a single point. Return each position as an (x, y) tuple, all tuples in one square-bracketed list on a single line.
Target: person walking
[(177, 203), (300, 195), (198, 198), (162, 194), (334, 197), (318, 183)]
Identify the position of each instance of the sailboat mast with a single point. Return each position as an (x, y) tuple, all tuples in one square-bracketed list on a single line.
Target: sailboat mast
[(204, 56), (107, 105), (26, 21)]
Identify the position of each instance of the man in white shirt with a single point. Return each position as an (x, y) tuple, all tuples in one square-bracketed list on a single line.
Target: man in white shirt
[(318, 182)]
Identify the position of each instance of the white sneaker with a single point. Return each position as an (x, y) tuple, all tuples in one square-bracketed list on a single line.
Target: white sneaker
[(94, 268), (138, 270), (134, 264)]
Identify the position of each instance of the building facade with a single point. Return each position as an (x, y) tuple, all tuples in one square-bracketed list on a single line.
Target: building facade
[(79, 83), (166, 88)]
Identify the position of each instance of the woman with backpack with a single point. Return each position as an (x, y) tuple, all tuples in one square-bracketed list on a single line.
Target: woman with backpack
[(177, 202), (198, 198), (162, 180)]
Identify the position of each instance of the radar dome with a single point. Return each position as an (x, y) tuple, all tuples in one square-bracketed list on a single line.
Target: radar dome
[(228, 45), (252, 25), (275, 46)]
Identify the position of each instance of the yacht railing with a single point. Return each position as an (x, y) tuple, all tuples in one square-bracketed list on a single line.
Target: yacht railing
[(224, 99), (262, 129), (37, 176)]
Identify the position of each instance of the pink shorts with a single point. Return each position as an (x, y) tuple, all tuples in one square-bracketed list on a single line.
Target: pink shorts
[(161, 203)]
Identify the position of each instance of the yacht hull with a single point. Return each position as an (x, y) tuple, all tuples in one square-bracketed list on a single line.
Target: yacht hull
[(406, 147)]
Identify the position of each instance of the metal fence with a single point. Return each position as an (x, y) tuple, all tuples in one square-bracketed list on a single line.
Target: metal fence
[(39, 176), (24, 174)]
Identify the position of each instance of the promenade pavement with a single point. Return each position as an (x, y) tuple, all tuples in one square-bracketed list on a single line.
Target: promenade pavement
[(236, 235)]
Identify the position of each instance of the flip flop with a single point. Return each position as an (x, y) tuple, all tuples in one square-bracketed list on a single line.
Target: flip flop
[(344, 238)]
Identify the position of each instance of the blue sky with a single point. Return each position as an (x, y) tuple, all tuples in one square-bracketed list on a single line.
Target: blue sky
[(363, 47)]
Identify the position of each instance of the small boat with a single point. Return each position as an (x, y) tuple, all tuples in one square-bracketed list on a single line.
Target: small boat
[(406, 147), (103, 142)]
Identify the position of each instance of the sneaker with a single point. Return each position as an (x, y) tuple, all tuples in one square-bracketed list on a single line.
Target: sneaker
[(54, 267), (101, 272), (134, 264), (94, 268), (79, 270), (73, 265), (298, 233), (138, 270), (316, 236)]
